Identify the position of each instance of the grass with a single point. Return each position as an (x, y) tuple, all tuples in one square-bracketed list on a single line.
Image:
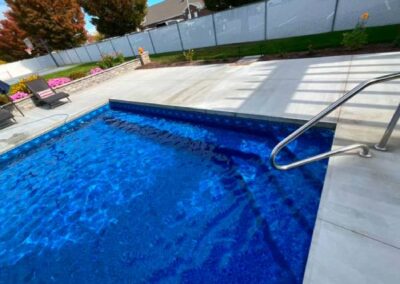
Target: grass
[(66, 72), (385, 34), (85, 68)]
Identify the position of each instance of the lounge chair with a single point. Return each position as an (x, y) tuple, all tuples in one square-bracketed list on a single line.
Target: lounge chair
[(5, 110), (44, 94), (6, 115)]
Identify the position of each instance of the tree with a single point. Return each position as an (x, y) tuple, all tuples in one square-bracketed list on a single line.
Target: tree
[(12, 47), (60, 23), (115, 17), (219, 5)]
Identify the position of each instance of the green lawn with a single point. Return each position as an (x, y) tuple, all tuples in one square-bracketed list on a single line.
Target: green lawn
[(385, 34), (78, 68)]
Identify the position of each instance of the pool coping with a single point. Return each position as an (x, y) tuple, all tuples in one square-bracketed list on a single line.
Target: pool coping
[(323, 124)]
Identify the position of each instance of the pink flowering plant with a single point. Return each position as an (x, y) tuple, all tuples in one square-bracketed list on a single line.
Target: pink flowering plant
[(56, 82), (96, 70), (19, 96)]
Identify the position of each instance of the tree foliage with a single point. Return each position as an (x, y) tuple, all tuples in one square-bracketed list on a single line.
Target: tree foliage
[(115, 17), (60, 23), (219, 5), (11, 45)]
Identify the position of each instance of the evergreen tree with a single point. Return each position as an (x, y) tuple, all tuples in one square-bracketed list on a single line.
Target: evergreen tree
[(12, 47), (115, 17), (60, 23)]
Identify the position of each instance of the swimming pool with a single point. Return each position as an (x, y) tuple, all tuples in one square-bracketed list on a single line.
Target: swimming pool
[(139, 194)]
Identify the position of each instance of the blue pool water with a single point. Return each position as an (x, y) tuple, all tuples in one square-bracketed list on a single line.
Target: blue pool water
[(119, 197)]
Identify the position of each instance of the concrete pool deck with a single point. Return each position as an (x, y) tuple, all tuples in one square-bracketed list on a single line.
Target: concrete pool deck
[(357, 233)]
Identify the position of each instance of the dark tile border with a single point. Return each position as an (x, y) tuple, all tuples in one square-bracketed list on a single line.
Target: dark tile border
[(242, 121), (35, 142)]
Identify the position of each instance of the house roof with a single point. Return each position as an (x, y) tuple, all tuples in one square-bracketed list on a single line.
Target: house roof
[(168, 9)]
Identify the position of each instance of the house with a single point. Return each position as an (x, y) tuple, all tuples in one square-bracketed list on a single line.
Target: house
[(172, 11)]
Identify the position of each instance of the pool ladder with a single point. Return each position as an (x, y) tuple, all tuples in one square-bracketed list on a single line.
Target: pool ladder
[(364, 149)]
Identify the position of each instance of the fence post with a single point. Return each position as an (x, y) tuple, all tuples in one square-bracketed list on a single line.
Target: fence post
[(152, 43), (265, 20), (180, 36), (87, 51), (215, 30), (113, 47), (98, 48), (80, 60), (129, 42), (334, 16)]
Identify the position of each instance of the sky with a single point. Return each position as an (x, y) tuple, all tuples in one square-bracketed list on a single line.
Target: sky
[(89, 27)]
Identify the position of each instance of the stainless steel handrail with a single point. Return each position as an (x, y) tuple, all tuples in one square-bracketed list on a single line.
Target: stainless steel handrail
[(381, 146), (364, 148)]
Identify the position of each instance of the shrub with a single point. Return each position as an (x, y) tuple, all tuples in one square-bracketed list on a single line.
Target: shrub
[(119, 59), (18, 96), (358, 37), (95, 70), (110, 60), (106, 62), (4, 99), (21, 86), (189, 55), (77, 75), (2, 62), (55, 82), (310, 49)]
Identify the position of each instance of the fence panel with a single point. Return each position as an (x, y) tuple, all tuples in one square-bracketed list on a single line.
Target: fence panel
[(45, 62), (29, 65), (83, 54), (287, 18), (94, 52), (166, 39), (65, 57), (121, 45), (242, 24), (141, 40), (197, 33), (15, 69), (58, 58), (380, 13), (106, 47), (74, 57)]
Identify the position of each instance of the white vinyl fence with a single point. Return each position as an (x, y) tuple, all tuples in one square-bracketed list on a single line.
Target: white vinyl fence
[(25, 67), (270, 19)]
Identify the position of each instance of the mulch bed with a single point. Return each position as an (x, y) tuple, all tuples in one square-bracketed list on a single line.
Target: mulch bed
[(372, 48), (186, 63)]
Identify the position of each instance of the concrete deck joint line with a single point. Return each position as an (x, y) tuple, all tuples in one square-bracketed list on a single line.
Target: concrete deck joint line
[(359, 233)]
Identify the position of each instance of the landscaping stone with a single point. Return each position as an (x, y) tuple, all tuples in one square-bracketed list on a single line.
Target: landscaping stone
[(144, 58)]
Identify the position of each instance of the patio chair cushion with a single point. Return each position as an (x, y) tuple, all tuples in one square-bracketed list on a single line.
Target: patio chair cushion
[(55, 97), (45, 93)]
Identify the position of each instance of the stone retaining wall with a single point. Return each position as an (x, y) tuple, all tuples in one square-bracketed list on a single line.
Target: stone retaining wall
[(85, 82)]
